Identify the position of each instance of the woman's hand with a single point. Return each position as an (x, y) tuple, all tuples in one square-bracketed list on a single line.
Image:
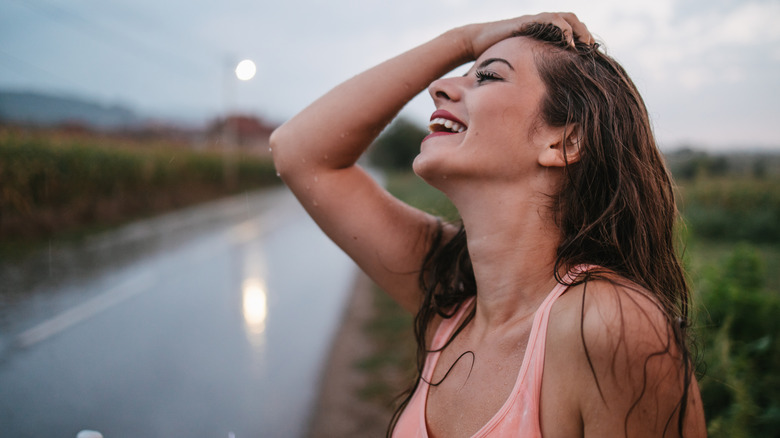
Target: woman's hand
[(479, 37)]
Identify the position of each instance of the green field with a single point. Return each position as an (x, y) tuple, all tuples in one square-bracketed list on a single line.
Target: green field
[(55, 185)]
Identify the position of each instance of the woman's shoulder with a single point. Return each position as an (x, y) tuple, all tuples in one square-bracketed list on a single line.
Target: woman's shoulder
[(605, 311), (613, 343)]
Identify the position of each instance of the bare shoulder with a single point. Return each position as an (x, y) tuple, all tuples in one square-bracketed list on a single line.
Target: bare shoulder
[(614, 347)]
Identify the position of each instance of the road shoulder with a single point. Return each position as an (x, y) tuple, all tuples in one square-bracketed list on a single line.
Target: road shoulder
[(340, 410)]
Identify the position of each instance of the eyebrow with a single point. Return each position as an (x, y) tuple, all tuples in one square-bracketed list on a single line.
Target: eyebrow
[(489, 61)]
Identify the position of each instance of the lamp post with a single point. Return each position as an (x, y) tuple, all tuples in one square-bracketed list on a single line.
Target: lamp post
[(244, 71)]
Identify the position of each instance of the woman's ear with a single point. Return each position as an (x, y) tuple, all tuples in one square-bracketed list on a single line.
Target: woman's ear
[(566, 150)]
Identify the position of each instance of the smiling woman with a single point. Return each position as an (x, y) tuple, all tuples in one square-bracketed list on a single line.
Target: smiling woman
[(556, 306)]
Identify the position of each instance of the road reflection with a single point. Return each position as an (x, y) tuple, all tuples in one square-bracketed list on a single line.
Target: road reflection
[(254, 287), (255, 306)]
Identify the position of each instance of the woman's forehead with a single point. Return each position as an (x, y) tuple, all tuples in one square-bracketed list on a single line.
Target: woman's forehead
[(517, 46), (517, 52)]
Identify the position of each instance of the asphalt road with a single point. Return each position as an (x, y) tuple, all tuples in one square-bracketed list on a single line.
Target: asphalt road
[(210, 322)]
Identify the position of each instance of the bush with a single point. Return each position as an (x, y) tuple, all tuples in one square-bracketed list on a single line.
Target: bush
[(733, 209), (417, 193), (739, 333), (397, 146)]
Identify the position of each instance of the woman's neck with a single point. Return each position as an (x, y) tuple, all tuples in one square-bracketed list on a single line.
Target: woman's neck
[(512, 241)]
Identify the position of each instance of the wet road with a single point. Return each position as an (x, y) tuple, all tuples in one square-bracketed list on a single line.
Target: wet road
[(211, 322)]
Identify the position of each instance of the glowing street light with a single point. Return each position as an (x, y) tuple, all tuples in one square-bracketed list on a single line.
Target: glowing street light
[(245, 70)]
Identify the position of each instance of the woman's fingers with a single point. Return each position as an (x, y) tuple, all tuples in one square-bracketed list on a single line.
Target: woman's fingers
[(479, 37), (573, 29), (581, 32)]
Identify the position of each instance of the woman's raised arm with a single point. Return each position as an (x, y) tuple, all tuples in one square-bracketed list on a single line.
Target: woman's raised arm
[(315, 153)]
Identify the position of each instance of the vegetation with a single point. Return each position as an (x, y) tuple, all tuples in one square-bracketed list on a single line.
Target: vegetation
[(731, 211), (396, 148), (54, 184), (391, 366), (733, 253), (739, 339)]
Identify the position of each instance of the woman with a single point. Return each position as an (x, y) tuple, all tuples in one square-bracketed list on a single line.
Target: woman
[(557, 307)]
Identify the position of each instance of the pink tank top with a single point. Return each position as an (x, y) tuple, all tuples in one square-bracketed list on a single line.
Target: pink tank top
[(519, 416)]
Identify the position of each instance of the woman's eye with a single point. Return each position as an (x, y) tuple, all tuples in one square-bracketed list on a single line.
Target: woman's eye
[(484, 75)]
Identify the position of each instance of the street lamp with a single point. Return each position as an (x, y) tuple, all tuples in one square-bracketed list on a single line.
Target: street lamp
[(244, 71)]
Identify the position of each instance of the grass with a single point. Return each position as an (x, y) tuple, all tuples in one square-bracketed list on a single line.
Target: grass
[(390, 367)]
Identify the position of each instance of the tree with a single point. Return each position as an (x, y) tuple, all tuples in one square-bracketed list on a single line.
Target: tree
[(397, 146)]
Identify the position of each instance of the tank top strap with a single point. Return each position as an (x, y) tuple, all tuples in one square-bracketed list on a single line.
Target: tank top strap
[(558, 290), (538, 341), (446, 328)]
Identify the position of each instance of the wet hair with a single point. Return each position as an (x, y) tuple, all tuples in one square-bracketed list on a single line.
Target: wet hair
[(615, 208)]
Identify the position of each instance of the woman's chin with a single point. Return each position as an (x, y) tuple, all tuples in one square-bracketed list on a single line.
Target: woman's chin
[(430, 171), (423, 167)]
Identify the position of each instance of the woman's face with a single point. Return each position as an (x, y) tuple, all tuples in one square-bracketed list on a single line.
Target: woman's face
[(495, 106)]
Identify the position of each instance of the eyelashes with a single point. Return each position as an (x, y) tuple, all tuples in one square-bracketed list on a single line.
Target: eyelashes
[(486, 75)]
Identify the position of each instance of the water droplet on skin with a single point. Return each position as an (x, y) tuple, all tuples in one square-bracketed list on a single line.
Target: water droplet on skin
[(316, 178), (303, 160), (444, 177), (307, 187), (315, 203), (326, 156), (278, 174), (270, 150)]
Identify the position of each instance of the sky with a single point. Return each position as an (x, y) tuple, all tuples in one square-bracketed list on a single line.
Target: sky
[(709, 70)]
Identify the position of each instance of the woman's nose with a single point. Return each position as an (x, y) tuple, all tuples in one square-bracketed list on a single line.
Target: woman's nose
[(445, 89)]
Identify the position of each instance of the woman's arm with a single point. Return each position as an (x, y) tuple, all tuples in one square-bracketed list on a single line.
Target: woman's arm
[(315, 153)]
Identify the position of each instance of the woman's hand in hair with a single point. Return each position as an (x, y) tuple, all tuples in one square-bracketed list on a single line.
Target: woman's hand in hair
[(479, 37)]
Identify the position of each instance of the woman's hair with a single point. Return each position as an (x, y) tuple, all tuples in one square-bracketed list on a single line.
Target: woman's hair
[(615, 208)]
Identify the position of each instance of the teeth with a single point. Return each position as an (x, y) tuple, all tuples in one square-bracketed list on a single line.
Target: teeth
[(446, 123)]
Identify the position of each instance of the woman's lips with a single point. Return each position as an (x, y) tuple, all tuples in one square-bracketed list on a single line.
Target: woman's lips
[(438, 134), (442, 122), (444, 114)]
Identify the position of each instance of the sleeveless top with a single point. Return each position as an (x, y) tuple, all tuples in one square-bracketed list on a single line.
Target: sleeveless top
[(519, 416)]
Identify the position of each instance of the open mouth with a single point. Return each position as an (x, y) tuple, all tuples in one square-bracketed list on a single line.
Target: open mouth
[(440, 124)]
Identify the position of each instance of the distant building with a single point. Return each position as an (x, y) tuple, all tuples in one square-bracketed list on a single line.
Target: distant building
[(247, 133)]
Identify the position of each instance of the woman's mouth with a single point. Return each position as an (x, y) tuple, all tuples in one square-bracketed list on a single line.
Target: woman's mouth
[(442, 122)]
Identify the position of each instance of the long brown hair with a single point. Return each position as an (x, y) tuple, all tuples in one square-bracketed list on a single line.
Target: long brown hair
[(615, 208)]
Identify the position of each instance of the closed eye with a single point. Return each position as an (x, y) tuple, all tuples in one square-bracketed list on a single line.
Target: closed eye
[(486, 75)]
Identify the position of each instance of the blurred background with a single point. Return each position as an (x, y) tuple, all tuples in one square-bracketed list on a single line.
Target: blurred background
[(150, 265)]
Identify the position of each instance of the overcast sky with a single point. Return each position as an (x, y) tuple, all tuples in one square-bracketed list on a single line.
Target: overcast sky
[(709, 70)]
